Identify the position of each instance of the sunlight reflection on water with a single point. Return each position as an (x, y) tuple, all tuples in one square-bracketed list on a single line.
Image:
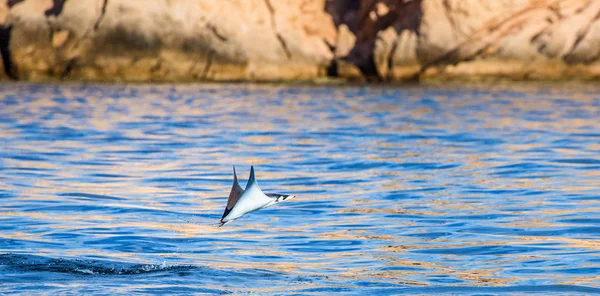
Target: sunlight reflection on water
[(479, 189)]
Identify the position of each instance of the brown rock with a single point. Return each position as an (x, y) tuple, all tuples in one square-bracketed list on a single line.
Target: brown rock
[(587, 49), (174, 40), (349, 71), (560, 38), (59, 38), (171, 40), (510, 38), (385, 45), (404, 64), (345, 41), (4, 11)]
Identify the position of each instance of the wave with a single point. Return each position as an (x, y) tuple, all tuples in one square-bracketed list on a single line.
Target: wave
[(34, 263)]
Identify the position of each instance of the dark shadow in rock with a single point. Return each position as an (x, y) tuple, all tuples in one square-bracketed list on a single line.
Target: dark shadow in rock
[(9, 69), (56, 9), (366, 19)]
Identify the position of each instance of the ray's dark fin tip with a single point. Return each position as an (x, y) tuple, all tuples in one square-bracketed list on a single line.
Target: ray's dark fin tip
[(252, 178)]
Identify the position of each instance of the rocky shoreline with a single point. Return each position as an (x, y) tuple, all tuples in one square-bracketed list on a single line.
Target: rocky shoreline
[(286, 40)]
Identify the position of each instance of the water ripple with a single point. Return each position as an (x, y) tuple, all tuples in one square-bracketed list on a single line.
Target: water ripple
[(117, 189)]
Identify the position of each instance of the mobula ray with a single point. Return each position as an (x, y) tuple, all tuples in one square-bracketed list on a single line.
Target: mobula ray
[(242, 202)]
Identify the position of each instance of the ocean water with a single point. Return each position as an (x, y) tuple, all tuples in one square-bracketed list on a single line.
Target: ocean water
[(477, 189)]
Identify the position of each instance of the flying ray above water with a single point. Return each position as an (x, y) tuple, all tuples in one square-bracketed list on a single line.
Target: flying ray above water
[(242, 202)]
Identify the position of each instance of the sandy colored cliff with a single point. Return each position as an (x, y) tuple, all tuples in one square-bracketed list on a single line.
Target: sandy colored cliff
[(270, 40)]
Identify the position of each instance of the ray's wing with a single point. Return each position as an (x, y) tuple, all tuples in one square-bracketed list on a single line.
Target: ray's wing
[(234, 195)]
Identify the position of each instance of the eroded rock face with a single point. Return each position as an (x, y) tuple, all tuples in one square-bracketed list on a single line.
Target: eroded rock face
[(512, 38), (384, 40), (139, 40), (520, 39)]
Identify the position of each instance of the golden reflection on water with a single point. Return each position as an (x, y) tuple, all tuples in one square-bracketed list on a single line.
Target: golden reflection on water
[(45, 216), (192, 180)]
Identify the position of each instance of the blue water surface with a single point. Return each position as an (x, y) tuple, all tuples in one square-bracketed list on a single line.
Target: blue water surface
[(478, 189)]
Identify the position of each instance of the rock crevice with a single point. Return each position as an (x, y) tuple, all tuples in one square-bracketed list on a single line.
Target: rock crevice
[(102, 13), (275, 31), (7, 63)]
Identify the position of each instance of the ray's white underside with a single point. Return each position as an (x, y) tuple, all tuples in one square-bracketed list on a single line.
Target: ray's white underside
[(249, 200)]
